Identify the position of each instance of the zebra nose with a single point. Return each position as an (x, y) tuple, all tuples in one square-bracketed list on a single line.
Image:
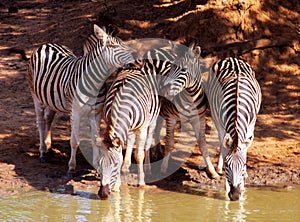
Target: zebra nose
[(104, 192), (234, 193)]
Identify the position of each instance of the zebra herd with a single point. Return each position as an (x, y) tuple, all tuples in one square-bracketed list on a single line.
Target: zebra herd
[(170, 81)]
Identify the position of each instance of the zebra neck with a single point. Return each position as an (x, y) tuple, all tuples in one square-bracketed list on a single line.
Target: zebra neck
[(92, 72)]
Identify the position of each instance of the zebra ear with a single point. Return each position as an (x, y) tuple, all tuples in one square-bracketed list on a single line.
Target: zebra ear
[(194, 52), (100, 34), (177, 48), (197, 51), (227, 141), (172, 45)]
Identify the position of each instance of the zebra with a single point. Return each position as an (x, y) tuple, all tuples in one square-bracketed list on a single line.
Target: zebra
[(132, 107), (61, 82), (234, 96), (189, 105), (234, 114)]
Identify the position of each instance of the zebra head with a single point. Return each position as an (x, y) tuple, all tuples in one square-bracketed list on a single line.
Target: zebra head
[(116, 52), (109, 163), (184, 72), (234, 153)]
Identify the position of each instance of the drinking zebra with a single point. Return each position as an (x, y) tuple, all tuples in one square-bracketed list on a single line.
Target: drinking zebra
[(131, 109), (234, 97), (61, 82)]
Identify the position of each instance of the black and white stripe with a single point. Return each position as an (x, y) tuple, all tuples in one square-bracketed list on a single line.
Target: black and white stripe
[(188, 105), (234, 97), (132, 106), (60, 81), (131, 112)]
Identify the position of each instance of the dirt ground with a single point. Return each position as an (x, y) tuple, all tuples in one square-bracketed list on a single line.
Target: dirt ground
[(264, 33)]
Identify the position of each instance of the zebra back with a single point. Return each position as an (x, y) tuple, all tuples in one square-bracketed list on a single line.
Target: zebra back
[(46, 75), (131, 104), (235, 98)]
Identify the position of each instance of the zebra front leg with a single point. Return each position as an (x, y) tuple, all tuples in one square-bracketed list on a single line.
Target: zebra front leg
[(128, 153), (170, 124), (199, 128), (220, 165), (140, 155), (74, 142)]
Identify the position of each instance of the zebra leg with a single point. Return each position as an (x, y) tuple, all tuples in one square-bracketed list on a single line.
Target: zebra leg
[(199, 128), (128, 153), (140, 155), (220, 165), (74, 142), (49, 116), (148, 144), (40, 121), (157, 143), (95, 118), (170, 122), (158, 127)]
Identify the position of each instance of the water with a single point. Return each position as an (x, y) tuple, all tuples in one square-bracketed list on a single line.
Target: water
[(133, 204)]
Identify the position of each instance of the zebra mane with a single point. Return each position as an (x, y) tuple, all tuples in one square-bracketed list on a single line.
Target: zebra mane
[(189, 41)]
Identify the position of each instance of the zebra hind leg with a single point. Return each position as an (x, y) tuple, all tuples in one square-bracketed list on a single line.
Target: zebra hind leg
[(200, 134), (128, 153), (169, 144), (40, 121), (140, 155), (74, 142), (49, 116), (156, 149)]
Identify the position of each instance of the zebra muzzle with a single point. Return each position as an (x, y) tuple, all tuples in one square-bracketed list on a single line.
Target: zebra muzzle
[(104, 192), (234, 193)]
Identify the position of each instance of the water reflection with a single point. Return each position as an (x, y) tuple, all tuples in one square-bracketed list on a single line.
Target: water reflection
[(135, 204), (235, 211)]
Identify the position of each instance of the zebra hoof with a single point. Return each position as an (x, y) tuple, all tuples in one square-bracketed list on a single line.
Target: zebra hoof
[(70, 175), (43, 159)]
